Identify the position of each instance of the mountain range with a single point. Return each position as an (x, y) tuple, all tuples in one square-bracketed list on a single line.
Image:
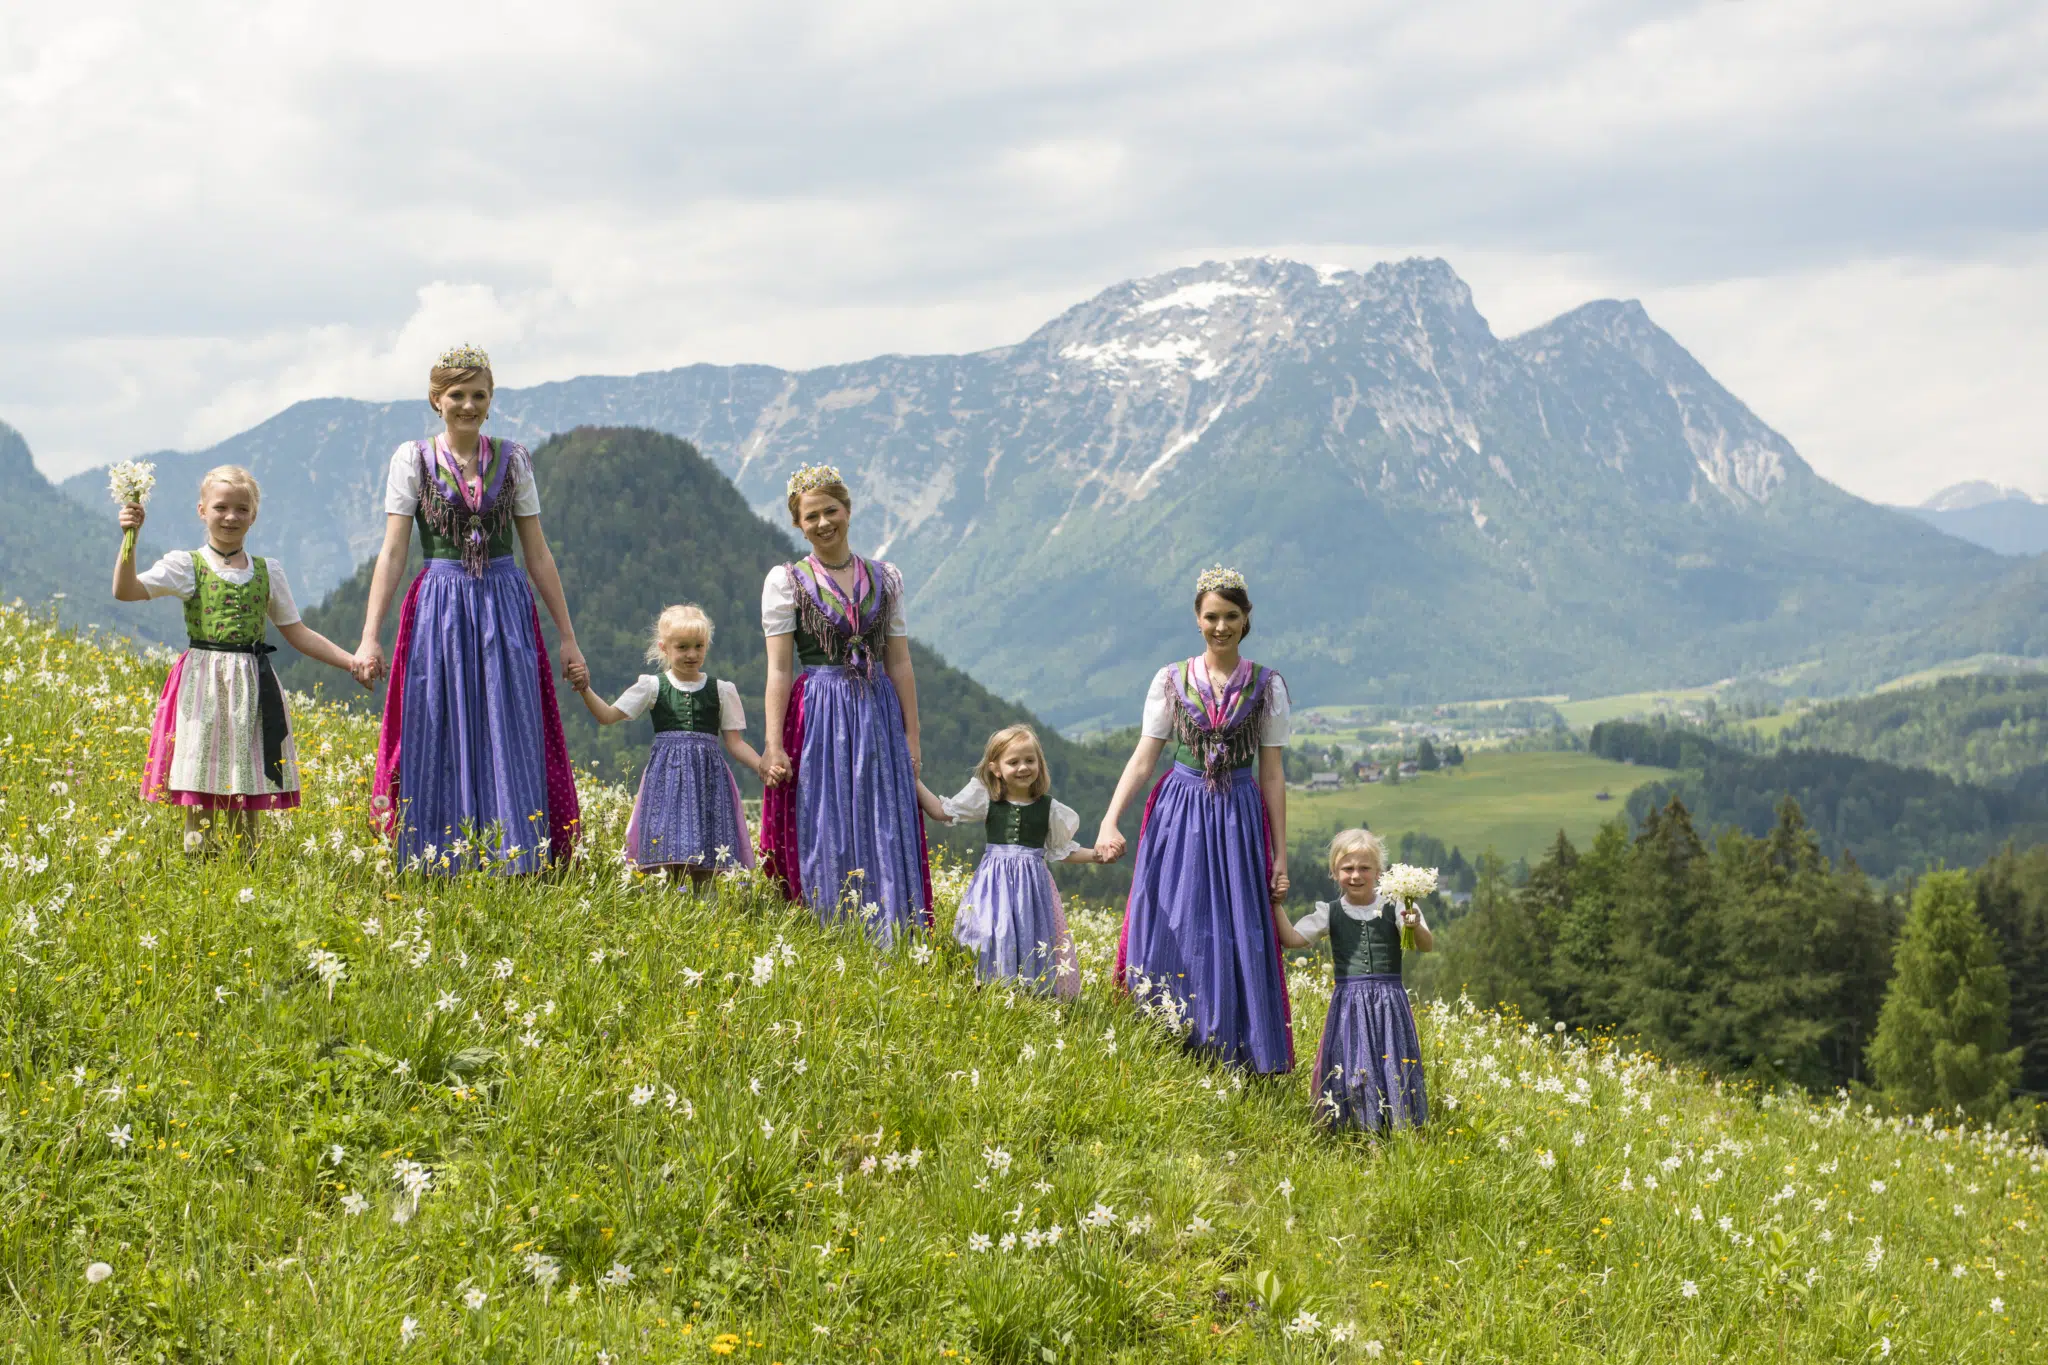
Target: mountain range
[(1425, 510), (2008, 520)]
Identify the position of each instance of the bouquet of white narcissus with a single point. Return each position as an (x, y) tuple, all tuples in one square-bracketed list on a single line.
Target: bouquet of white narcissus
[(131, 481), (1408, 884)]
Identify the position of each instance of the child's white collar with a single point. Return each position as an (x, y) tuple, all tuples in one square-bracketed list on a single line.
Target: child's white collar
[(1362, 912)]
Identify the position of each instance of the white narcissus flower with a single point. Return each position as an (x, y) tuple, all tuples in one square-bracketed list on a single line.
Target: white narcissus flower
[(618, 1277), (475, 1299), (121, 1135), (641, 1095), (354, 1204), (408, 1330)]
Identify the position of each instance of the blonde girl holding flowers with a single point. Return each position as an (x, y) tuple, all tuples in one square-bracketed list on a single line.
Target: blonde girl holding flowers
[(687, 815), (1011, 915), (221, 741), (1369, 1066)]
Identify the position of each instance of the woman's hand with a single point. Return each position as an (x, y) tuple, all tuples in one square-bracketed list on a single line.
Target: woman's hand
[(369, 663), (573, 668), (131, 516), (774, 765), (1109, 844), (1280, 882)]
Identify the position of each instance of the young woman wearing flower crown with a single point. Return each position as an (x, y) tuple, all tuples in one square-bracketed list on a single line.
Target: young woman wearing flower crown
[(471, 764), (839, 820), (1202, 928)]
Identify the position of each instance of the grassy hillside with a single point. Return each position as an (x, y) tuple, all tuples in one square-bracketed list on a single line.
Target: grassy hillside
[(1511, 803), (580, 1119)]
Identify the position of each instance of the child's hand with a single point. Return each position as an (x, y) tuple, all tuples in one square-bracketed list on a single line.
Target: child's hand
[(131, 516)]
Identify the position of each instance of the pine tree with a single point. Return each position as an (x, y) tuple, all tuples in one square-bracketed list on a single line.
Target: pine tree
[(2012, 895), (1667, 964), (1425, 757), (1941, 1036)]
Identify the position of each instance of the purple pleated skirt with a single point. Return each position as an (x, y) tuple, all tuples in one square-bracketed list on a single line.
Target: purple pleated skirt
[(1369, 1066), (1012, 919), (687, 813), (859, 835), (472, 744), (1199, 924)]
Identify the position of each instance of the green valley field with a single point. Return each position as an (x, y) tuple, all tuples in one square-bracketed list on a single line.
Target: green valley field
[(299, 1106), (1511, 803)]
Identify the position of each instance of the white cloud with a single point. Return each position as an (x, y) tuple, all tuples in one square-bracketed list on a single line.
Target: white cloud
[(224, 208)]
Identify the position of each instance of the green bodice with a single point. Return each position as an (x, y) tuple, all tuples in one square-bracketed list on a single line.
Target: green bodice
[(1027, 825), (435, 545), (1365, 947), (1183, 754), (675, 709), (225, 613), (810, 650)]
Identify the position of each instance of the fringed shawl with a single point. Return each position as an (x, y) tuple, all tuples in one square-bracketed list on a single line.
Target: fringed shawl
[(446, 507), (852, 628), (1222, 731)]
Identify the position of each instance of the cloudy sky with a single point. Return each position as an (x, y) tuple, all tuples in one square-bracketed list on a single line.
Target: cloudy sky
[(215, 209)]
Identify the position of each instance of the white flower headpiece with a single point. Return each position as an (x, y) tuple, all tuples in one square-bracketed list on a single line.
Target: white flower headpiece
[(814, 476), (1216, 578), (464, 357)]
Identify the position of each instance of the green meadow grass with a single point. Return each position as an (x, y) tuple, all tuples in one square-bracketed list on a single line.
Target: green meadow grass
[(303, 1109), (1512, 803)]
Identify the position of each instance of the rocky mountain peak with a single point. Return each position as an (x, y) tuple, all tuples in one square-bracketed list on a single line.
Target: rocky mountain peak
[(1613, 347), (1961, 497)]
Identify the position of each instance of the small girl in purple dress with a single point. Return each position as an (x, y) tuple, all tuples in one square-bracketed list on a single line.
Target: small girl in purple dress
[(687, 815), (1011, 915), (1369, 1066)]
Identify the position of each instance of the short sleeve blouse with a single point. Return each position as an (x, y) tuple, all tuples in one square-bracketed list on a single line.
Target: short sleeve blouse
[(637, 700), (970, 805), (778, 601), (402, 479), (1157, 722), (174, 576)]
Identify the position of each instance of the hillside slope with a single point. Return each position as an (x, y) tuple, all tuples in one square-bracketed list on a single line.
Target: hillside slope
[(1426, 511), (51, 545), (295, 1107), (1888, 818), (1988, 729)]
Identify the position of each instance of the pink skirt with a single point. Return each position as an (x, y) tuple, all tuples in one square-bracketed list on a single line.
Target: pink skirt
[(206, 741)]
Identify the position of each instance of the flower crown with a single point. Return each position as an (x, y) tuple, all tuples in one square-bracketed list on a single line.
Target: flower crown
[(1216, 578), (812, 477), (463, 357)]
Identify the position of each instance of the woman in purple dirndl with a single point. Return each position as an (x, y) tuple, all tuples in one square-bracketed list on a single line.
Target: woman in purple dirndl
[(472, 766), (840, 826), (1201, 937)]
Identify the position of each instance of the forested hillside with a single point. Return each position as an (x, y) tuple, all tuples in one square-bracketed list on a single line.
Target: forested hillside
[(1887, 817), (1990, 729)]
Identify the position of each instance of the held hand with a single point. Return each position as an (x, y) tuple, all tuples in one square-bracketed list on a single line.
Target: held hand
[(774, 766), (1109, 844), (574, 669), (1280, 882), (355, 670), (369, 663), (131, 516)]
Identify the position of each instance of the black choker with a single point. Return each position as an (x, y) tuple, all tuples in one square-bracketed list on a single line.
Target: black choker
[(845, 563), (224, 554)]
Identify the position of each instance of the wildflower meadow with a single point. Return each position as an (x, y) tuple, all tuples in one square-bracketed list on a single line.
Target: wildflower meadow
[(292, 1103)]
